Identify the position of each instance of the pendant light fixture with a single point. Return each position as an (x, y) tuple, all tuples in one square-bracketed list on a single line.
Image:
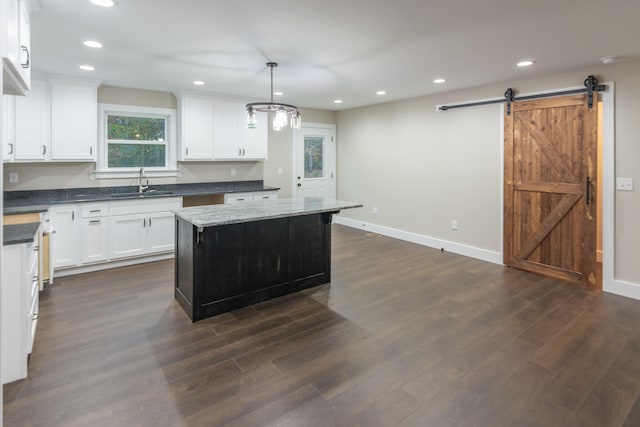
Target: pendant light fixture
[(281, 114)]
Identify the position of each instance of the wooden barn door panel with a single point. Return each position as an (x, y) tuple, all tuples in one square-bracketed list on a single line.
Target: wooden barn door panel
[(550, 151)]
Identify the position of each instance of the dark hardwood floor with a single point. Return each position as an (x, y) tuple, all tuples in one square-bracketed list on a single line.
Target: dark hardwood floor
[(403, 336)]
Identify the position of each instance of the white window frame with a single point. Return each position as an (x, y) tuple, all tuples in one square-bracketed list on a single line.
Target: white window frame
[(103, 170)]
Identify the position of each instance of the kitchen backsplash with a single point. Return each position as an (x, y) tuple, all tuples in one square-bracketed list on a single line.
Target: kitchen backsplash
[(34, 176)]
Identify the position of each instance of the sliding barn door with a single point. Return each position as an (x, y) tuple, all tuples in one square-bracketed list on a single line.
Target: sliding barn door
[(550, 187)]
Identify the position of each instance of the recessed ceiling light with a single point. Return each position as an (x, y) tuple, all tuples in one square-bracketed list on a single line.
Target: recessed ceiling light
[(278, 93), (381, 92), (438, 81), (337, 101), (198, 82), (92, 43), (526, 63), (87, 68), (103, 3)]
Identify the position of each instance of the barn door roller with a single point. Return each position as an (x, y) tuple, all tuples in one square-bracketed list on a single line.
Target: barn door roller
[(590, 83)]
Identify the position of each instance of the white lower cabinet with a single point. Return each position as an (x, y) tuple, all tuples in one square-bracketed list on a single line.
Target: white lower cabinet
[(161, 232), (128, 236), (65, 222), (94, 233), (139, 228), (20, 302), (91, 233)]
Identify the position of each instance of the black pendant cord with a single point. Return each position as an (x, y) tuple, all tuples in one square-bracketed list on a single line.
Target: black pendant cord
[(590, 83)]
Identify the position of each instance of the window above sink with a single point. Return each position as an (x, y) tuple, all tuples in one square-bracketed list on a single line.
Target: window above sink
[(134, 137)]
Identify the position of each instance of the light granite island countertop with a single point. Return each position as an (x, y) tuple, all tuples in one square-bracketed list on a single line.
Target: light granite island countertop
[(214, 215)]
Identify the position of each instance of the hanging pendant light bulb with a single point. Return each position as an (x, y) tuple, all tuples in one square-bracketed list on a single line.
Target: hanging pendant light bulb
[(251, 118), (280, 112)]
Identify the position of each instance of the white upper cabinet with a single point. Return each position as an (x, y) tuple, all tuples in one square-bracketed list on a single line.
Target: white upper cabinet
[(8, 127), (56, 121), (215, 129), (33, 123), (17, 52), (74, 110), (233, 140), (195, 118)]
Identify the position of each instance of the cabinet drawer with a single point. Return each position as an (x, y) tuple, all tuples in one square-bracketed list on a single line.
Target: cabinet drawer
[(266, 195), (93, 210), (238, 197)]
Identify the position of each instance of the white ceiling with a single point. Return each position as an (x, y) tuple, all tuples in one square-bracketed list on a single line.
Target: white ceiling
[(328, 49)]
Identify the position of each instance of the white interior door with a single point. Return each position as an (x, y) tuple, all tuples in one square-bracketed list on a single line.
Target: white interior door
[(315, 159)]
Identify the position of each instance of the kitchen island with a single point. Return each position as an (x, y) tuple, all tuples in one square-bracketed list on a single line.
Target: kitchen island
[(230, 256)]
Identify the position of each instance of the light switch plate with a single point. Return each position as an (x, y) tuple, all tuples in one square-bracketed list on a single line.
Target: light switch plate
[(624, 184), (13, 177)]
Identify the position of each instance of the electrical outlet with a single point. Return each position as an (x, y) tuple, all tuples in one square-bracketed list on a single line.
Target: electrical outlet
[(280, 171), (232, 172), (13, 177), (624, 184), (454, 225), (375, 211)]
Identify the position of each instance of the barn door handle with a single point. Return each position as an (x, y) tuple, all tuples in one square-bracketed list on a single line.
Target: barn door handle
[(588, 190)]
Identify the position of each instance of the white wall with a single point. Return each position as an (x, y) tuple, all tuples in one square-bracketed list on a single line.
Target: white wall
[(423, 168)]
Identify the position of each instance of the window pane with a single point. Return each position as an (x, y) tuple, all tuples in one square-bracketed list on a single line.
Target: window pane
[(135, 128), (313, 157), (136, 155)]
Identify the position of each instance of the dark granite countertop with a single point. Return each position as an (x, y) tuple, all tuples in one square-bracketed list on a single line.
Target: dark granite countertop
[(18, 202), (19, 233)]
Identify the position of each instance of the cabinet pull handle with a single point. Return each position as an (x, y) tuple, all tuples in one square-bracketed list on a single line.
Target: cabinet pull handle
[(244, 151), (35, 279), (11, 145), (91, 151), (239, 151), (36, 248), (35, 316), (44, 150), (240, 200), (187, 151), (28, 63), (95, 210), (94, 221), (73, 215), (144, 222)]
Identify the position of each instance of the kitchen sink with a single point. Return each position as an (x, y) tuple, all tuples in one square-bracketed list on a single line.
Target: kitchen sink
[(149, 193)]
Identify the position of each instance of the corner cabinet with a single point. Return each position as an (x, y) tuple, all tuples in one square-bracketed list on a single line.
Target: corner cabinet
[(215, 129), (16, 57)]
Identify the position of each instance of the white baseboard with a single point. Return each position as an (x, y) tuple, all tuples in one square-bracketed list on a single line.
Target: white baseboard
[(620, 287), (111, 264), (457, 248)]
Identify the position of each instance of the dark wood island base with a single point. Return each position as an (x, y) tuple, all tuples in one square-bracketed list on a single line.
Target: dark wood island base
[(223, 267)]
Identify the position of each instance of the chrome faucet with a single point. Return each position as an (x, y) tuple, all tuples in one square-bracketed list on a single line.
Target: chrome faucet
[(142, 188)]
